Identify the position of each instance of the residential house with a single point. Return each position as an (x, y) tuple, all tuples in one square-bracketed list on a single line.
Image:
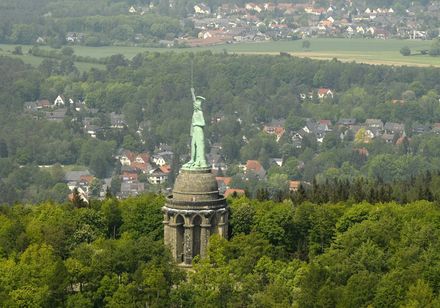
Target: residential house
[(418, 128), (43, 104), (40, 40), (370, 31), (325, 125), (132, 10), (74, 37), (202, 9), (57, 115), (325, 93), (388, 138), (59, 101), (141, 167), (157, 176), (254, 7), (287, 8), (217, 162), (82, 194), (128, 169), (294, 185), (347, 123), (374, 123), (117, 120), (315, 11), (360, 30), (165, 169), (310, 126), (30, 106), (129, 176), (276, 161), (394, 128), (304, 96), (162, 158), (228, 9), (297, 138), (37, 105), (276, 128), (91, 130), (223, 183), (142, 158), (86, 180), (131, 189), (75, 176), (126, 158), (254, 167)]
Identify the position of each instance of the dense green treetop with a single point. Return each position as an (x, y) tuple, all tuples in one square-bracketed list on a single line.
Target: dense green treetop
[(280, 254)]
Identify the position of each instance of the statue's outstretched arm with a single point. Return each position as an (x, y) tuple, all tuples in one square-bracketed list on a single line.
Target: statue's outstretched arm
[(193, 94)]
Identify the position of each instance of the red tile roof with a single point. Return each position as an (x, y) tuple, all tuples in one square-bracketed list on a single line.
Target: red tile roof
[(86, 178), (130, 175), (323, 91), (165, 168), (224, 179), (294, 185), (253, 165), (140, 166), (145, 157)]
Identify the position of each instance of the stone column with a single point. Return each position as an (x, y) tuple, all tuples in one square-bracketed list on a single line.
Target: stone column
[(188, 244), (170, 231), (223, 224), (204, 237), (166, 227)]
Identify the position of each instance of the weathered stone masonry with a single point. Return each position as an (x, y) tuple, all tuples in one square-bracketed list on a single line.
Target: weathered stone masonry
[(192, 214)]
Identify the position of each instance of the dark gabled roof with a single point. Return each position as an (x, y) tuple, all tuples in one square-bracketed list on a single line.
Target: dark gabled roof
[(394, 126), (348, 121)]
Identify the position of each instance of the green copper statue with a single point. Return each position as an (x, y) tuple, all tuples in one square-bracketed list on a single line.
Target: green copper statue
[(198, 160)]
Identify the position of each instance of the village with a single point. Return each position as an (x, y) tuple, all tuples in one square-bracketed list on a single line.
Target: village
[(274, 21), (257, 22), (139, 172)]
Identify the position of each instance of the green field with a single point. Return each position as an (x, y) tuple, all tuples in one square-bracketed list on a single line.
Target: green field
[(6, 50), (359, 50)]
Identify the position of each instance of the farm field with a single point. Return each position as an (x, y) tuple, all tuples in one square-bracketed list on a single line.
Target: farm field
[(359, 50), (6, 50), (371, 51)]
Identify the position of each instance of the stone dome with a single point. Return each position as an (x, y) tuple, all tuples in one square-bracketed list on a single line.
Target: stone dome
[(195, 185)]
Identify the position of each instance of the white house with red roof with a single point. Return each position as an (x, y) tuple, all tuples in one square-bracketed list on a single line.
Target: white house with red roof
[(325, 93)]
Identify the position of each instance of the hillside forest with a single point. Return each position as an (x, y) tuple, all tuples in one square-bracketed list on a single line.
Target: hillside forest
[(280, 254), (245, 92)]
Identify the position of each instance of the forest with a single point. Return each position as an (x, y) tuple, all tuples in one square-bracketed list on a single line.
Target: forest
[(280, 254)]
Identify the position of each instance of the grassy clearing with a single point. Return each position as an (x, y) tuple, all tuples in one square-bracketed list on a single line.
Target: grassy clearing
[(66, 168), (6, 50), (370, 51)]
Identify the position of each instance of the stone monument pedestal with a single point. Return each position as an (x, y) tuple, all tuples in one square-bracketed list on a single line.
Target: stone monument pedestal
[(192, 214)]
